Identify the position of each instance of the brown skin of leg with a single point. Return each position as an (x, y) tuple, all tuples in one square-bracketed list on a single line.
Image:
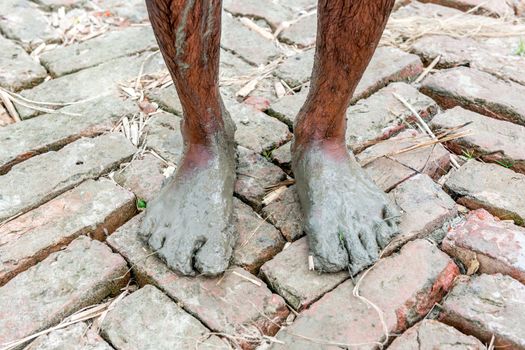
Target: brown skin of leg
[(189, 223), (348, 219)]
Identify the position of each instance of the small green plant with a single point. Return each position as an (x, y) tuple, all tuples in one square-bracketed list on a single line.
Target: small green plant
[(468, 154), (341, 237), (521, 48), (267, 155), (505, 163), (141, 204)]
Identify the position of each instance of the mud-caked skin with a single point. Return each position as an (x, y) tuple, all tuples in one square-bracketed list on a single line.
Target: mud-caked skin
[(189, 225), (347, 218)]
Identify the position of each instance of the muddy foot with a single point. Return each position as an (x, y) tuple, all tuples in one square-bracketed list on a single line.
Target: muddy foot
[(189, 223), (348, 219)]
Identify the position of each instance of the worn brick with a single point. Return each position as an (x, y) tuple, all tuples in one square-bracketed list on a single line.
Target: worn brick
[(13, 24), (426, 10), (477, 91), (51, 5), (490, 140), (132, 10), (144, 176), (296, 70), (167, 99), (224, 304), (78, 335), (31, 137), (498, 246), (41, 178), (254, 175), (492, 187), (285, 214), (98, 81), (17, 69), (163, 135), (425, 208), (302, 33), (481, 7), (288, 274), (94, 209), (114, 44), (5, 118), (283, 155), (485, 306), (66, 281), (148, 319), (382, 115), (272, 12), (431, 334), (405, 295), (258, 240), (388, 65), (388, 170), (250, 45)]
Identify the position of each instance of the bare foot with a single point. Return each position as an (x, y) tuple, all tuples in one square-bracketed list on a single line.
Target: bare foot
[(190, 223), (348, 219)]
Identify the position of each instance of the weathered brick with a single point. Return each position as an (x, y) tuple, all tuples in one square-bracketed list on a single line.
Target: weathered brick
[(18, 70), (283, 155), (98, 81), (388, 170), (148, 319), (404, 295), (41, 178), (388, 65), (485, 306), (72, 337), (51, 5), (426, 10), (224, 304), (250, 45), (256, 130), (381, 115), (167, 99), (285, 214), (288, 274), (163, 135), (477, 91), (302, 33), (481, 7), (489, 139), (66, 281), (496, 57), (94, 209), (254, 175), (114, 44), (431, 334), (498, 246), (296, 70), (5, 118), (272, 12), (425, 208), (13, 24), (133, 10), (31, 137), (144, 176), (258, 240), (492, 187)]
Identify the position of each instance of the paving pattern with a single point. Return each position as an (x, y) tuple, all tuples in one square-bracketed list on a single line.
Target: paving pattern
[(90, 130)]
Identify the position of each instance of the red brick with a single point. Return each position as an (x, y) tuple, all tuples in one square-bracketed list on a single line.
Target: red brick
[(285, 214), (94, 209), (478, 91), (229, 304), (431, 334), (83, 274), (485, 306), (258, 240), (389, 170), (288, 274), (425, 208), (490, 140), (404, 286), (498, 246)]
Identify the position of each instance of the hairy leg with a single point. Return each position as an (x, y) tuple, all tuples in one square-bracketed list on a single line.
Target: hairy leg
[(189, 223), (347, 217)]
